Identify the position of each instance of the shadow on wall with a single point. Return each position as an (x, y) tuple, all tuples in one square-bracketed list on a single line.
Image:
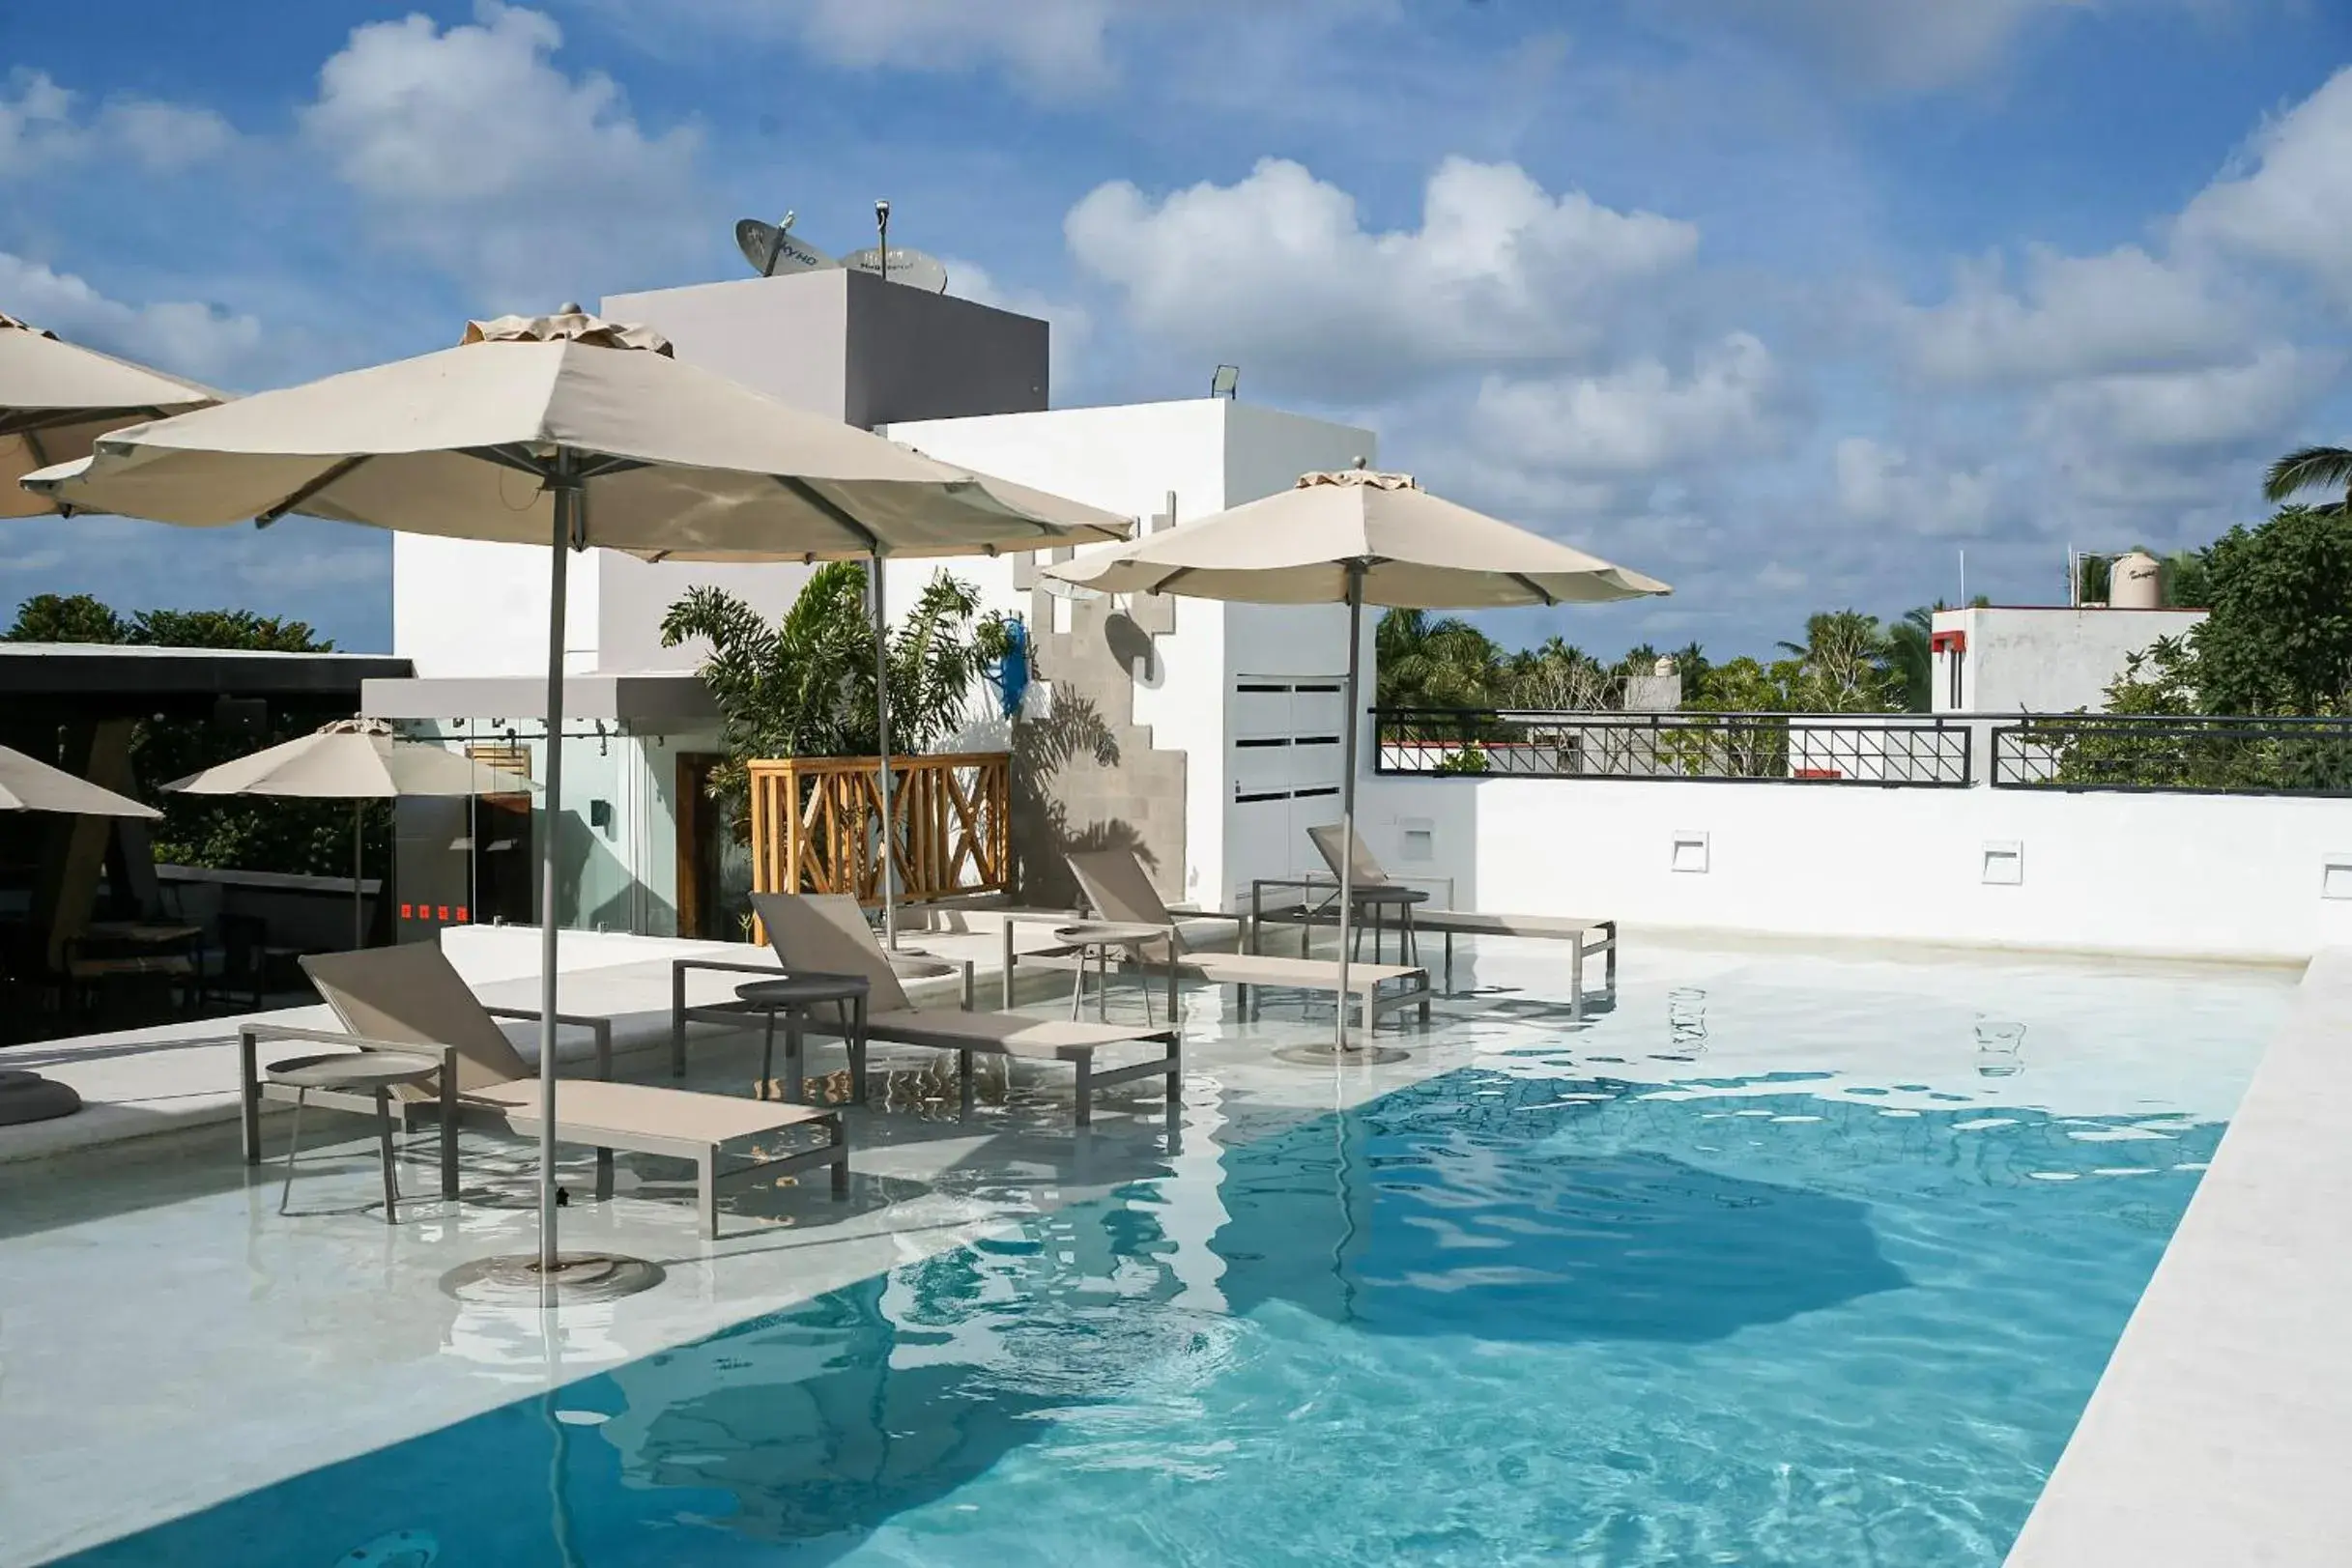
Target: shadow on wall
[(597, 890), (1046, 753)]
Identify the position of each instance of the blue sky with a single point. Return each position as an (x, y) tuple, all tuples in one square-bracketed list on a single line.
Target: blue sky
[(1788, 301)]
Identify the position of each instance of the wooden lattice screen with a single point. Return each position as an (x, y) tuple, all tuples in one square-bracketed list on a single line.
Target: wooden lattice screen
[(815, 825)]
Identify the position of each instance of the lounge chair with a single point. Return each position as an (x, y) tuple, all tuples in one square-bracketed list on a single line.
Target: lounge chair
[(406, 998), (828, 933), (1585, 937), (1119, 889)]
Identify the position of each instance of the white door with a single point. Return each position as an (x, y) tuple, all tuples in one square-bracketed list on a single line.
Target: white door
[(1284, 760)]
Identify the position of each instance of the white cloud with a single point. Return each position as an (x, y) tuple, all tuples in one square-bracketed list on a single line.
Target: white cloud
[(193, 339), (1050, 50), (1882, 484), (2290, 199), (1278, 273), (41, 129), (1639, 418), (1907, 46), (1057, 44), (165, 137), (2073, 316), (2252, 404), (474, 150)]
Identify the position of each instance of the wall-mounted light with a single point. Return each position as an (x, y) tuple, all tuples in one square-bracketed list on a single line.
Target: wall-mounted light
[(1226, 381)]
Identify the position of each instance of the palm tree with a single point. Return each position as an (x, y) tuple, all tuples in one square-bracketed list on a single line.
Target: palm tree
[(1910, 644), (2312, 467), (1440, 663), (804, 686), (1845, 664)]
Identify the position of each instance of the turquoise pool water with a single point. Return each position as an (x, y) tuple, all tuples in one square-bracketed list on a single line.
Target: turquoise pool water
[(1521, 1313)]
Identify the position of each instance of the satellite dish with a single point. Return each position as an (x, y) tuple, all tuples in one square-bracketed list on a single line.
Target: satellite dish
[(916, 269), (772, 250)]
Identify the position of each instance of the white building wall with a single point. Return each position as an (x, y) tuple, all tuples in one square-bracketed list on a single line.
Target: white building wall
[(2055, 660), (2244, 877), (1212, 453), (461, 607)]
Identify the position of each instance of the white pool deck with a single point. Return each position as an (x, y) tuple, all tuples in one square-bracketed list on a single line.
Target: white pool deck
[(169, 1340)]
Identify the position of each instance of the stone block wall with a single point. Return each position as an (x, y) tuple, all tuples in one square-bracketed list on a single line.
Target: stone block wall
[(1085, 775)]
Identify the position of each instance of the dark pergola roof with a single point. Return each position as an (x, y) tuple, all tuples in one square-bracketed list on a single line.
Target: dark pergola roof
[(99, 680)]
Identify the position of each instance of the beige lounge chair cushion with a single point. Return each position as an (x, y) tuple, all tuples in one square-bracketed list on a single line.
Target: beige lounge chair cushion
[(408, 994), (588, 1109), (1116, 883), (1119, 888), (1301, 974), (1363, 872), (1005, 1034), (1471, 923), (827, 933)]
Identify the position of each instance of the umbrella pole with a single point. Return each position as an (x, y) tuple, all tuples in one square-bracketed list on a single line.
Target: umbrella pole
[(566, 490), (1347, 790), (359, 899), (882, 723)]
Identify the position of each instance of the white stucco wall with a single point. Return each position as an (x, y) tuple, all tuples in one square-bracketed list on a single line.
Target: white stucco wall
[(2173, 874), (2053, 659), (1212, 453), (461, 608)]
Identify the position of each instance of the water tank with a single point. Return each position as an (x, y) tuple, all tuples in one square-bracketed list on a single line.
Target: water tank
[(2135, 582)]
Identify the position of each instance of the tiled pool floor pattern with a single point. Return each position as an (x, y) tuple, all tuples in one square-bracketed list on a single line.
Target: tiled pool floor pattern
[(1723, 1294)]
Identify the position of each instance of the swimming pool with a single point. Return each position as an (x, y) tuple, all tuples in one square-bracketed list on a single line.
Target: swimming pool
[(1607, 1298)]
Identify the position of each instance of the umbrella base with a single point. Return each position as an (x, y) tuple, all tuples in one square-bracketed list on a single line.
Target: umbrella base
[(28, 1097), (1326, 1053), (579, 1278)]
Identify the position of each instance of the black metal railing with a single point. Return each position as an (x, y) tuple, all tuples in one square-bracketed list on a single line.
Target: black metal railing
[(1886, 750), (2189, 756)]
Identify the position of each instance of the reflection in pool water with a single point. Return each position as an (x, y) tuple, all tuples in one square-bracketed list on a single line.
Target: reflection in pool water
[(1498, 1317)]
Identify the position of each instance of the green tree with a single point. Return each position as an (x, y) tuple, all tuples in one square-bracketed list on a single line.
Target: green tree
[(1911, 651), (1441, 662), (1845, 665), (53, 618), (2279, 637), (2186, 580), (225, 629), (1555, 676), (2311, 468), (1742, 685), (804, 686)]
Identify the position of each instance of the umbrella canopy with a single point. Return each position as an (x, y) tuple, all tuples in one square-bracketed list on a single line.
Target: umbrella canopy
[(1410, 550), (55, 399), (354, 759), (570, 431), (351, 759), (1354, 537), (30, 786), (672, 461)]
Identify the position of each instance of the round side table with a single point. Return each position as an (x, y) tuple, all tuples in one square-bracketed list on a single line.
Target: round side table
[(352, 1073), (1097, 937), (795, 996), (1397, 903)]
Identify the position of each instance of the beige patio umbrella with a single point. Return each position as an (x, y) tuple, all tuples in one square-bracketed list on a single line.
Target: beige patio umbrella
[(27, 785), (56, 398), (571, 431), (1356, 537), (354, 759)]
